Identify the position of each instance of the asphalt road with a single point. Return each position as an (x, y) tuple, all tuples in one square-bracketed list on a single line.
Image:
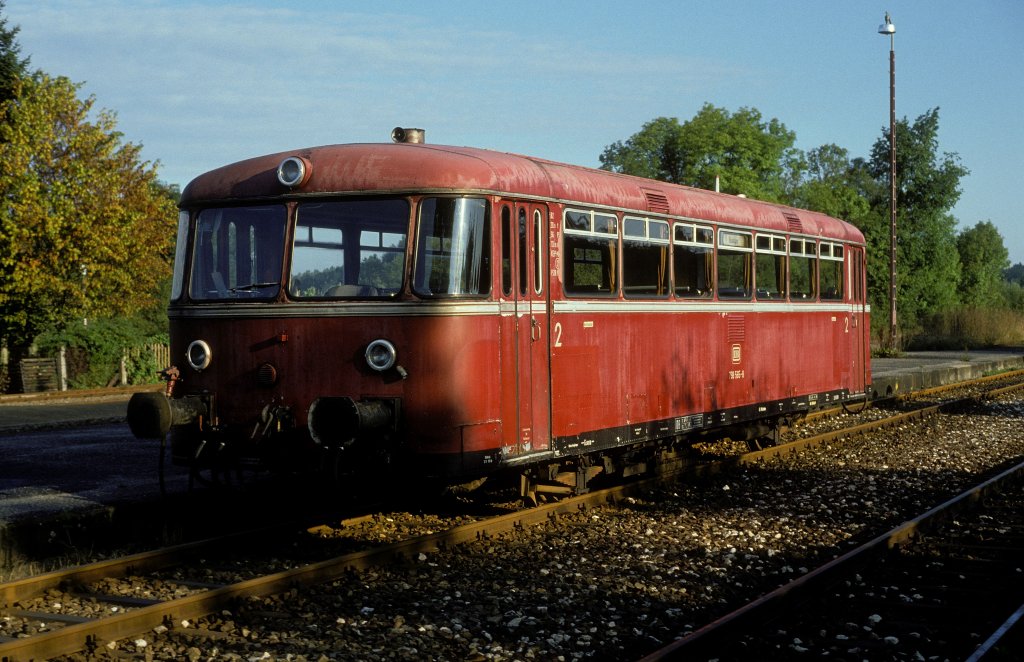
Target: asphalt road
[(78, 467)]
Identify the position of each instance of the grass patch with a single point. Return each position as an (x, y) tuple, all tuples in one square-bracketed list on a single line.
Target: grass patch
[(971, 328)]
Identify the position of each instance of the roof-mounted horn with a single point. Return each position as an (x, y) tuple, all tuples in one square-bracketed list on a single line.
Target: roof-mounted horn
[(400, 135)]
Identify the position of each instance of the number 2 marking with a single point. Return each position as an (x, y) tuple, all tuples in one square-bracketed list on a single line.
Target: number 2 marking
[(558, 334)]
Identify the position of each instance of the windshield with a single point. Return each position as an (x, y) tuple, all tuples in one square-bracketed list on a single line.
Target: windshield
[(238, 253), (453, 252), (350, 248)]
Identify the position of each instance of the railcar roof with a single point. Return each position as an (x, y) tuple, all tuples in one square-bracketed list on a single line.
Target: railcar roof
[(404, 167)]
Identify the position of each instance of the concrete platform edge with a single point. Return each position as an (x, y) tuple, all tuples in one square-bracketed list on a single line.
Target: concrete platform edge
[(915, 378)]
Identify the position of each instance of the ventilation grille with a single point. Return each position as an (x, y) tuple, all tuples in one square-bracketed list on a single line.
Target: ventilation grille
[(793, 221), (737, 328), (656, 202)]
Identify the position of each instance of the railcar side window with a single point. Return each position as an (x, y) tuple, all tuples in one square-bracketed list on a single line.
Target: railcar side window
[(349, 248), (524, 273), (735, 265), (453, 248), (538, 252), (645, 265), (831, 272), (591, 247), (770, 267), (803, 273), (237, 253), (506, 251), (180, 251), (693, 257), (857, 257)]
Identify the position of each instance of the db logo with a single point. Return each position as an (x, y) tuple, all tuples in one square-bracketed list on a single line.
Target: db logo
[(736, 354)]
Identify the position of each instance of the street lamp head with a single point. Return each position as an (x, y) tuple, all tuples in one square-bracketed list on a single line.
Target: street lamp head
[(887, 27)]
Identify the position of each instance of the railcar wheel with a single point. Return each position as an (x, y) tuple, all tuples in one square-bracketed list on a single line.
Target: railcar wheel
[(556, 481), (528, 491), (764, 441)]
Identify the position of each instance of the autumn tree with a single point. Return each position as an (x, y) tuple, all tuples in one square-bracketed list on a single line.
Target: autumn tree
[(12, 66), (86, 229), (748, 154)]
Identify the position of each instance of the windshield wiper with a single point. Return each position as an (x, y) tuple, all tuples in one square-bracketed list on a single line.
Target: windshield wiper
[(252, 286)]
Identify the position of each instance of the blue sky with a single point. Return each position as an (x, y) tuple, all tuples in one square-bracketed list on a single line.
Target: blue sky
[(202, 83)]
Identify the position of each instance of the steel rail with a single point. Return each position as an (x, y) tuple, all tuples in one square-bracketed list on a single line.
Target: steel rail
[(1009, 374), (998, 636), (29, 587), (148, 561)]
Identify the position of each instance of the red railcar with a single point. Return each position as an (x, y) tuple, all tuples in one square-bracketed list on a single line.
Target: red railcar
[(455, 312)]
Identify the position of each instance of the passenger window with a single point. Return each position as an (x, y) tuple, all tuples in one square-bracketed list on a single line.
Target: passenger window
[(591, 249), (832, 272), (770, 263), (693, 261), (735, 262), (645, 264), (803, 274)]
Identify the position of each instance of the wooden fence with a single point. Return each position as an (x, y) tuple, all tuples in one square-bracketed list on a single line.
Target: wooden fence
[(161, 353), (36, 374)]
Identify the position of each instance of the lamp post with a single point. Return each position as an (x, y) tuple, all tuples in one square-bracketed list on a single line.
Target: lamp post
[(888, 28)]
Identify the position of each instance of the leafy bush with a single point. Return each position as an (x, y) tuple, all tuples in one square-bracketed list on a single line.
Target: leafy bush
[(94, 351)]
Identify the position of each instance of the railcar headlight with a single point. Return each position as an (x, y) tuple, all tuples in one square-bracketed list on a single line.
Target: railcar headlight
[(199, 355), (381, 355), (294, 171)]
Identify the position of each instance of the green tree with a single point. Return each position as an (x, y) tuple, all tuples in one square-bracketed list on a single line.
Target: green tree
[(928, 187), (1015, 274), (86, 229), (983, 258), (653, 152), (833, 184), (12, 67), (749, 155)]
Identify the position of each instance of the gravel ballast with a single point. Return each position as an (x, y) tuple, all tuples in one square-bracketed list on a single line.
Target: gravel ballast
[(618, 581)]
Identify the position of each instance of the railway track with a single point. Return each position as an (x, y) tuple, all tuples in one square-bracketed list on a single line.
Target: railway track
[(32, 600), (888, 407), (948, 584), (945, 587)]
